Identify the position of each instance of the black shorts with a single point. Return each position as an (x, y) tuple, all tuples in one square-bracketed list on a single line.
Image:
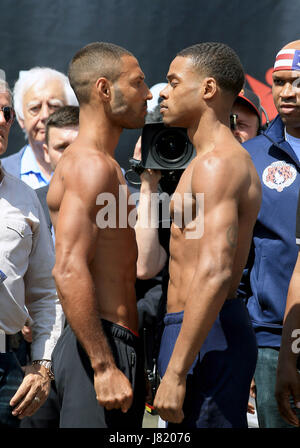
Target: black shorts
[(74, 379)]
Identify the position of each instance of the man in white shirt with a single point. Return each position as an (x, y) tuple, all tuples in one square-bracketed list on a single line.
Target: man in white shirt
[(27, 289)]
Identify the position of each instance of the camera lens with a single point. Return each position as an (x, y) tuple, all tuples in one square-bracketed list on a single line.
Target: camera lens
[(171, 147)]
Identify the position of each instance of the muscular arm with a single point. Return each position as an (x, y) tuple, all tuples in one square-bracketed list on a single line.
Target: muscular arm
[(288, 378), (76, 236), (216, 250)]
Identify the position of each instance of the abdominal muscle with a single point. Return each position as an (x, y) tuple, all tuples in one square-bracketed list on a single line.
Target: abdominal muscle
[(114, 273)]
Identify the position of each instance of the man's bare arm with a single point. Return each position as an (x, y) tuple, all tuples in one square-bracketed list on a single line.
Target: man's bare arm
[(288, 377), (76, 235), (216, 251), (151, 255)]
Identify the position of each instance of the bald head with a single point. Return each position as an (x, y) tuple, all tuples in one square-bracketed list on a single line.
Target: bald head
[(285, 86), (295, 44), (288, 58)]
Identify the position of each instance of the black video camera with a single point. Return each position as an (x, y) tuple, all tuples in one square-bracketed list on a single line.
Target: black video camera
[(166, 149)]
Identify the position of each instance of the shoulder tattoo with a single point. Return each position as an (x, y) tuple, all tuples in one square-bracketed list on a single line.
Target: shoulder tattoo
[(232, 235)]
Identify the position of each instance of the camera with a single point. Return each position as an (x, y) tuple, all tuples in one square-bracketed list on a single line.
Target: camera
[(167, 149)]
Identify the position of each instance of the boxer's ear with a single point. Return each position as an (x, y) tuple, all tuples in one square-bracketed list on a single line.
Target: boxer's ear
[(103, 88), (209, 88)]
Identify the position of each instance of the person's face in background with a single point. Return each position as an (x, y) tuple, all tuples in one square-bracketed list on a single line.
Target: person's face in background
[(38, 103), (286, 96), (5, 101), (58, 140), (247, 122)]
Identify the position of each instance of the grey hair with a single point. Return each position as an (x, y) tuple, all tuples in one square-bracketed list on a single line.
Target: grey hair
[(36, 75), (4, 88)]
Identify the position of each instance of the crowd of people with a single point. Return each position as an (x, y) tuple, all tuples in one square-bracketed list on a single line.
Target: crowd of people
[(97, 319)]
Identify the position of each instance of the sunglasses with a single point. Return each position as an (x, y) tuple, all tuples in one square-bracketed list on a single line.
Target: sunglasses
[(8, 112)]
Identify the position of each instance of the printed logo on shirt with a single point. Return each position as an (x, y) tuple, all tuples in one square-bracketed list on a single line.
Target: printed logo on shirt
[(279, 175)]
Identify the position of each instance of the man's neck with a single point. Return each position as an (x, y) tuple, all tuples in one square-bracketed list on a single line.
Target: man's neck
[(37, 148), (294, 132), (208, 132), (98, 132)]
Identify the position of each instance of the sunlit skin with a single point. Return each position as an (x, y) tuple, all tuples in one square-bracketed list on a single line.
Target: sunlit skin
[(129, 96), (58, 140), (95, 269), (286, 95), (247, 122), (205, 271)]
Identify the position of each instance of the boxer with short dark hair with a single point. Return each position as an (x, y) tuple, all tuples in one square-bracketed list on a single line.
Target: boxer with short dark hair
[(208, 349)]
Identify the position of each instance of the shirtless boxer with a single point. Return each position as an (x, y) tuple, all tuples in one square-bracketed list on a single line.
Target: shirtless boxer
[(95, 268), (208, 350)]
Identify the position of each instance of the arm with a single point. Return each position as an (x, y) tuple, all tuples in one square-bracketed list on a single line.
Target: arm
[(215, 251), (151, 255), (76, 238), (288, 377)]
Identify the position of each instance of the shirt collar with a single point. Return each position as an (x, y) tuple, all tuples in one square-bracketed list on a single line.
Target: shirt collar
[(28, 162), (1, 173)]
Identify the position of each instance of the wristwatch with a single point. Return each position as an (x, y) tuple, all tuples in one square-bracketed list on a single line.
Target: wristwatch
[(48, 366)]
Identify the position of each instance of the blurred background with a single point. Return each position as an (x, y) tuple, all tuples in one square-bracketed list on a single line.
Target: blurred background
[(49, 32)]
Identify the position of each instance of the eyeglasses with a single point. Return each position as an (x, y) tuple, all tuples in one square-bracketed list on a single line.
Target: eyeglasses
[(8, 112)]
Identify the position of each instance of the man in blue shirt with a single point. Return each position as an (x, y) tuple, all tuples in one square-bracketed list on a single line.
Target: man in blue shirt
[(275, 154), (37, 93)]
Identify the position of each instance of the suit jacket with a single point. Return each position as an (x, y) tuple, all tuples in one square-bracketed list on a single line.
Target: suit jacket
[(12, 164), (42, 195)]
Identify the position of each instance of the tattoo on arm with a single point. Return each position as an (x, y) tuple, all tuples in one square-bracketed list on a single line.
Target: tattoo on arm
[(232, 235)]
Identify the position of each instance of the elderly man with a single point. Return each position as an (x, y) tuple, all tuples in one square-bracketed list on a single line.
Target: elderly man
[(37, 93), (27, 289)]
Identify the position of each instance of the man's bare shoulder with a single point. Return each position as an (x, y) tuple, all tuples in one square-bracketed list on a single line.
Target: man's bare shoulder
[(90, 171), (225, 169)]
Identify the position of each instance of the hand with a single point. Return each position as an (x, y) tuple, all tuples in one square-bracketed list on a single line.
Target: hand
[(27, 334), (252, 389), (148, 176), (32, 393), (150, 179), (169, 398), (113, 390), (137, 153), (287, 385), (251, 408)]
